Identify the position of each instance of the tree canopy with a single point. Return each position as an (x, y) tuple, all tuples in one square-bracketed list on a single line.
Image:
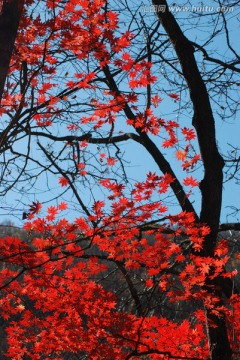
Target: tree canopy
[(116, 261)]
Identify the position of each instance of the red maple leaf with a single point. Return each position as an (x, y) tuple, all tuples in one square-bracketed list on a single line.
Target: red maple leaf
[(63, 181), (190, 181), (35, 207), (174, 96)]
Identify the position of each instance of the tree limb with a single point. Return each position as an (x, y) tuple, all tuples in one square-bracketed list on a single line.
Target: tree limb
[(9, 22), (154, 151)]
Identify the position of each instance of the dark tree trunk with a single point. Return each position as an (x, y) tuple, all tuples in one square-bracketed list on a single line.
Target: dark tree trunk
[(211, 185), (9, 20)]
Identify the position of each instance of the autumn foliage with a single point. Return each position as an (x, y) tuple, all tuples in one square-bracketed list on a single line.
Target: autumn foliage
[(56, 296), (52, 285)]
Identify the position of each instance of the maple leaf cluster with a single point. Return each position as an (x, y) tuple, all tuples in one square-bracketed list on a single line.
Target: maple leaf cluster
[(63, 299)]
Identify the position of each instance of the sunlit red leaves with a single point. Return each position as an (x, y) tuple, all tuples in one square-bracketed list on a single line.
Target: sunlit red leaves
[(112, 19), (140, 75), (111, 161), (66, 289), (98, 208), (72, 127), (123, 41), (104, 112), (181, 155), (82, 170), (35, 207), (189, 134), (189, 164), (221, 248), (73, 28), (160, 184), (126, 63), (63, 181), (176, 97), (156, 100), (170, 127), (42, 121), (184, 337), (84, 83), (48, 331), (82, 224), (115, 188), (196, 233), (62, 206), (45, 87), (149, 283), (52, 212), (190, 181)]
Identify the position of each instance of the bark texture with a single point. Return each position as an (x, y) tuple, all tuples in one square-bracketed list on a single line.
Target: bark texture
[(9, 21), (211, 185)]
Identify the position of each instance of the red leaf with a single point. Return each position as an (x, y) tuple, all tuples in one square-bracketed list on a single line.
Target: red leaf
[(63, 181), (35, 207), (190, 181)]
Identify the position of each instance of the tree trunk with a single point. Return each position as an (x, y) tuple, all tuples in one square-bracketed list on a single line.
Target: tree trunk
[(9, 20), (211, 185)]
